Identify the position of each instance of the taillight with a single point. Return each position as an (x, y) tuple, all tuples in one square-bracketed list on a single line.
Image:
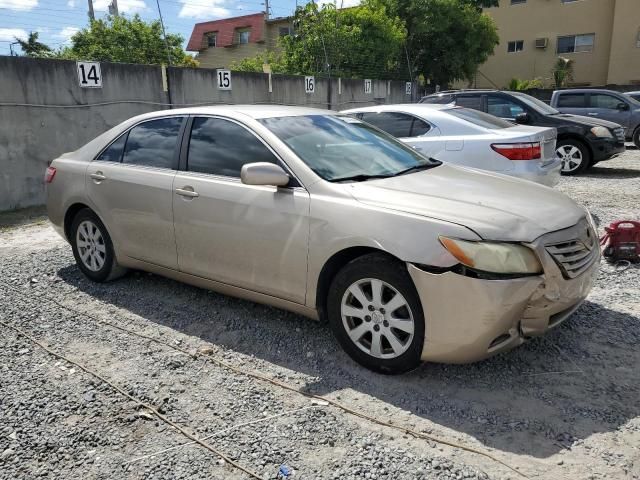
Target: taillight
[(519, 151), (49, 174)]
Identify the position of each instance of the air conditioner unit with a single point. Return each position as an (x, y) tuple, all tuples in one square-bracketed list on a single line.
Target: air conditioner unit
[(542, 42)]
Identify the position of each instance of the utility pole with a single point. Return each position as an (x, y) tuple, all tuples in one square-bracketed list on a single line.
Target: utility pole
[(113, 8), (91, 15), (266, 7)]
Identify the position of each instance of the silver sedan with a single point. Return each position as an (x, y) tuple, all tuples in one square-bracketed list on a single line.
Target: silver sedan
[(408, 259)]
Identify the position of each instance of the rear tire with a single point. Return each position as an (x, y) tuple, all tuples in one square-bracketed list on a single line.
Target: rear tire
[(386, 340), (575, 156), (93, 249)]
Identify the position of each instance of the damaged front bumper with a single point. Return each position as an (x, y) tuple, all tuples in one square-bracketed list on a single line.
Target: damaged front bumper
[(469, 319)]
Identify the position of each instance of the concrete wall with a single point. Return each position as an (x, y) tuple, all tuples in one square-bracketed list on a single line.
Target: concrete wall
[(44, 112), (624, 61)]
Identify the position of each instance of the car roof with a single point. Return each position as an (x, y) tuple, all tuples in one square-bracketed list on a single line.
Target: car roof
[(585, 90), (415, 108), (252, 111)]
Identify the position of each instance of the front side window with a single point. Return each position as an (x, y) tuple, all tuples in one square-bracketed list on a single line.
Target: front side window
[(576, 43), (113, 153), (515, 46), (532, 102), (572, 100), (503, 107), (153, 143), (344, 148), (601, 100), (222, 147), (243, 37), (478, 118)]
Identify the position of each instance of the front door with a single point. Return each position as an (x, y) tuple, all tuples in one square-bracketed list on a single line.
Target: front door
[(130, 184), (254, 237), (608, 107)]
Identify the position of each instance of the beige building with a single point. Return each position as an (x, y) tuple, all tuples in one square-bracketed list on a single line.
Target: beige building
[(602, 37), (219, 43)]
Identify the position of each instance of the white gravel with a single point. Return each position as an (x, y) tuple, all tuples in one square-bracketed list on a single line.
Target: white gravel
[(562, 406)]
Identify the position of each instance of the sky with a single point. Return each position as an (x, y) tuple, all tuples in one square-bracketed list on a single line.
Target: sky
[(57, 20)]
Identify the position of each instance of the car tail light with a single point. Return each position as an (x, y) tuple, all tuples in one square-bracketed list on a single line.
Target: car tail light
[(49, 174), (518, 151)]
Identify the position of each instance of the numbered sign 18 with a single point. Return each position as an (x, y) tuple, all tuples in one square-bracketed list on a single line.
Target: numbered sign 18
[(224, 79), (367, 86), (407, 88), (89, 75), (309, 84)]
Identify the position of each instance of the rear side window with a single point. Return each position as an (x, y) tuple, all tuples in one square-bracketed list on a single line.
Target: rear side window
[(153, 143), (113, 153), (397, 124), (469, 101), (221, 147), (572, 100)]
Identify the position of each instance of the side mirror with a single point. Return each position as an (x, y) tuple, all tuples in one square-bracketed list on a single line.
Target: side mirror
[(523, 118), (623, 106), (264, 173)]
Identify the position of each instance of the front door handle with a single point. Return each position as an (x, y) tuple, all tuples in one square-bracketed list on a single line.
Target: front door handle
[(187, 192), (98, 177)]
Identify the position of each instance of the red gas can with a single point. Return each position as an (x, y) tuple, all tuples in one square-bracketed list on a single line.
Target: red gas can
[(622, 241)]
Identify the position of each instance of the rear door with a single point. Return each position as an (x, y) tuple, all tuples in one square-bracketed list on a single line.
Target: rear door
[(130, 184), (607, 107), (575, 103)]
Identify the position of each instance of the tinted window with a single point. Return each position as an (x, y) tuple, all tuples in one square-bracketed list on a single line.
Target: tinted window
[(396, 124), (153, 143), (600, 100), (478, 118), (572, 100), (221, 147), (538, 105), (438, 99), (503, 107), (114, 152), (469, 101), (419, 127), (635, 96)]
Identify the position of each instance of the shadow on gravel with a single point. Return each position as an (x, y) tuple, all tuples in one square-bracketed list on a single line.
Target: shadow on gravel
[(554, 391), (611, 173)]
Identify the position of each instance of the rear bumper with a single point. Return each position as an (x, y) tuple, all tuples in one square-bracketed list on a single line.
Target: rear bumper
[(469, 319), (548, 174), (606, 148)]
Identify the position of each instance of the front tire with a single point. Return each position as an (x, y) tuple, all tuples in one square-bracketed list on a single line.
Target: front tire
[(92, 248), (636, 137), (376, 315), (575, 156)]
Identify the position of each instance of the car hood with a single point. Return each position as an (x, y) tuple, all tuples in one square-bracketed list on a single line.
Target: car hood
[(579, 119), (494, 206)]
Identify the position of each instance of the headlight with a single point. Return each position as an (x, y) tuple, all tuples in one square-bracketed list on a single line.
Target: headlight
[(506, 258), (602, 132)]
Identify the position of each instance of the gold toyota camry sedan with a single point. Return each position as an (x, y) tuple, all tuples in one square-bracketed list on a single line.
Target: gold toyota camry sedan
[(407, 258)]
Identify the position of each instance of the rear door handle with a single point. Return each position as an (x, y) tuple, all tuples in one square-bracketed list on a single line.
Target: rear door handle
[(98, 177), (187, 192)]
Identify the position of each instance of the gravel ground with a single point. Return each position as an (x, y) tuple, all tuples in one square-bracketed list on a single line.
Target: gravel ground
[(562, 406)]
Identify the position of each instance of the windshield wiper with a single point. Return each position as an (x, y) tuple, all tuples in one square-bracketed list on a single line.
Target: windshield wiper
[(359, 178), (417, 168)]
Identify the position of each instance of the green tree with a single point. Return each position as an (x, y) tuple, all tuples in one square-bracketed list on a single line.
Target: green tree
[(355, 42), (31, 47), (517, 84), (126, 40), (446, 39), (562, 72)]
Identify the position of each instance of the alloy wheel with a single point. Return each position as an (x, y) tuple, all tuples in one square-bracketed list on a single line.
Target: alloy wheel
[(571, 157), (91, 245), (377, 318)]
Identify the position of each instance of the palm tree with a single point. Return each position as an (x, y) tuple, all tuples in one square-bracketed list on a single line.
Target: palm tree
[(32, 47), (562, 72)]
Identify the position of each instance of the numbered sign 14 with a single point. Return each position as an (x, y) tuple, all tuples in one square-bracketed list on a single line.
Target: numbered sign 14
[(309, 84), (367, 86), (224, 79), (89, 75), (407, 88)]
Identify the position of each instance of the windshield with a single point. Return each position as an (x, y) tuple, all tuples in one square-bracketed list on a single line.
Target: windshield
[(478, 118), (344, 148), (536, 104)]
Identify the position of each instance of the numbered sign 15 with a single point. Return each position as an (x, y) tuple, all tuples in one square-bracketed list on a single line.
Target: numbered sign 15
[(224, 79), (367, 86), (407, 88), (89, 75), (309, 84)]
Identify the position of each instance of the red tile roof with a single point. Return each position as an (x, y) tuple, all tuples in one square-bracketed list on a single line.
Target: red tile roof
[(225, 30)]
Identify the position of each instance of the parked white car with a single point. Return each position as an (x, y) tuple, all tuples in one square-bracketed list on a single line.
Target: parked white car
[(463, 136)]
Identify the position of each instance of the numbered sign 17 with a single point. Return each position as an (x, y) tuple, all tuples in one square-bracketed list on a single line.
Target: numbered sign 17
[(309, 84), (224, 79), (367, 86), (407, 88), (89, 75)]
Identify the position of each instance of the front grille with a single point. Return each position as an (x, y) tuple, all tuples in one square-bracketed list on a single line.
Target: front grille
[(576, 255), (618, 132)]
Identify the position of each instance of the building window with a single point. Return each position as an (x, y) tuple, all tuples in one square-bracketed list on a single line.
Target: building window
[(516, 2), (515, 46), (243, 36), (576, 43), (211, 39), (284, 31)]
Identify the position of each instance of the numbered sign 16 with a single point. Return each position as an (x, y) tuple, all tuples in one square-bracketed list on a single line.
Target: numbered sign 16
[(224, 79), (89, 75), (407, 88), (367, 86), (309, 84)]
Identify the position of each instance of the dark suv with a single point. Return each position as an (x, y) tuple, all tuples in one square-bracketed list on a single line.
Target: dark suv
[(582, 141)]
